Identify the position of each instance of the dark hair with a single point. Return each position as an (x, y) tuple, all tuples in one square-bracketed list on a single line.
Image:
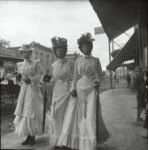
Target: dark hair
[(62, 47), (90, 44)]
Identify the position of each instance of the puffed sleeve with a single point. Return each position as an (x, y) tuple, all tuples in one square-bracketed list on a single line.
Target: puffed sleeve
[(70, 72), (39, 72), (72, 69), (76, 76), (99, 69)]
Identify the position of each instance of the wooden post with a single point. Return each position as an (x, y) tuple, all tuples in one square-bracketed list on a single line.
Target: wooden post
[(109, 49)]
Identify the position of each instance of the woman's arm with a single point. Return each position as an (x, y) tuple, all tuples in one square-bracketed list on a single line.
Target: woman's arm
[(75, 79)]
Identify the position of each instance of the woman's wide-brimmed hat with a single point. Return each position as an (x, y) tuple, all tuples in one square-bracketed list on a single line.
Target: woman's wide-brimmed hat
[(85, 38), (59, 42), (25, 47)]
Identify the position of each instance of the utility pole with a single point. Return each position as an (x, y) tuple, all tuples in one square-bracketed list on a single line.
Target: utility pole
[(98, 31), (109, 50), (115, 70)]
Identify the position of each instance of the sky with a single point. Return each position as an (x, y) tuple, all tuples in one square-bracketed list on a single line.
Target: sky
[(25, 21)]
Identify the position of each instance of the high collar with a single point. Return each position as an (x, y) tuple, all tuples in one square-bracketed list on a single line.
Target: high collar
[(62, 61), (27, 61), (87, 56)]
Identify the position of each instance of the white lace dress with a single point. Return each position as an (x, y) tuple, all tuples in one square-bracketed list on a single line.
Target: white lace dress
[(62, 71), (29, 109), (87, 71)]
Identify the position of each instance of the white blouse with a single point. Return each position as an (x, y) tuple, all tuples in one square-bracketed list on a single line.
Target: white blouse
[(87, 67), (62, 69), (32, 70)]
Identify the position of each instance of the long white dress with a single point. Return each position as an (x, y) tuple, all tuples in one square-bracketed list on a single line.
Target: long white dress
[(62, 71), (79, 129), (29, 109)]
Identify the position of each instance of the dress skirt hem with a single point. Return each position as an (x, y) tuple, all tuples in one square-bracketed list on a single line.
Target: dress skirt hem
[(68, 140), (29, 126)]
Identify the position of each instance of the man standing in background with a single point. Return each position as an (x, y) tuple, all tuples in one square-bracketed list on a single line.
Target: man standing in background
[(139, 85)]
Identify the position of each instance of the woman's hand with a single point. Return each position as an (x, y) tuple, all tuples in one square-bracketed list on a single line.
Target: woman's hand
[(19, 77), (74, 93), (46, 78), (96, 84), (27, 81)]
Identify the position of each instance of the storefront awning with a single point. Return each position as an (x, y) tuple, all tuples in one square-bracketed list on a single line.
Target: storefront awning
[(129, 65), (6, 58), (128, 52), (116, 16)]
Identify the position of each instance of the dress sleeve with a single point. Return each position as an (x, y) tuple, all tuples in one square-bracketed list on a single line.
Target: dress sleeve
[(70, 72), (99, 69), (72, 69), (76, 76)]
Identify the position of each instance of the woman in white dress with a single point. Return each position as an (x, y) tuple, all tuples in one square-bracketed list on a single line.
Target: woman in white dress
[(85, 86), (62, 71), (29, 109)]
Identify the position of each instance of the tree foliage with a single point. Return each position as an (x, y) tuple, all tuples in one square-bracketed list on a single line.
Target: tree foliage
[(4, 43)]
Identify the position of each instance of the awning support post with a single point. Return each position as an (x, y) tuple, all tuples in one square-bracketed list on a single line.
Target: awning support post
[(109, 49)]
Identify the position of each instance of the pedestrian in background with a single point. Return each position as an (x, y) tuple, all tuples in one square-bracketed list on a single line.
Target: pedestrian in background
[(9, 77), (146, 98), (29, 110), (128, 79), (139, 85)]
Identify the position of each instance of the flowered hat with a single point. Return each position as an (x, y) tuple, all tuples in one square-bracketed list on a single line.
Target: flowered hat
[(85, 38), (25, 47), (59, 42)]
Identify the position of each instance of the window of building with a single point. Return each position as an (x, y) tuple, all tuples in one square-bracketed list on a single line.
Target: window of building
[(41, 57), (145, 55), (36, 55), (47, 57)]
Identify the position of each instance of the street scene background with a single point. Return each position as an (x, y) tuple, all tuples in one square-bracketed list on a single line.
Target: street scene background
[(120, 43)]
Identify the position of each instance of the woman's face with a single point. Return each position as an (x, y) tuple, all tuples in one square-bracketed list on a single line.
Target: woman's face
[(60, 52), (26, 54), (86, 49)]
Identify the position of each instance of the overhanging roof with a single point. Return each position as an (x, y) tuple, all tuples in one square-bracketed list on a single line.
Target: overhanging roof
[(116, 16), (129, 65), (128, 52), (15, 59)]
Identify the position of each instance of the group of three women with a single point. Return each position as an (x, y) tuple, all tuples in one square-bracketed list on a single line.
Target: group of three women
[(75, 119)]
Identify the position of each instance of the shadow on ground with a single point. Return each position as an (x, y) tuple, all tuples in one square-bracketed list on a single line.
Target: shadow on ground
[(104, 147)]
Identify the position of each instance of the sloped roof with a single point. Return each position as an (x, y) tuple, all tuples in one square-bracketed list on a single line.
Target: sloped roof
[(116, 16), (128, 52)]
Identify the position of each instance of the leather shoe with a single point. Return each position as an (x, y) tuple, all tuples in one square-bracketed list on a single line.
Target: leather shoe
[(32, 140), (26, 141)]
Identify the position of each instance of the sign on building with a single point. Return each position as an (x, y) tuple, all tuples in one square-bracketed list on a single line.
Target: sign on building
[(99, 30)]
